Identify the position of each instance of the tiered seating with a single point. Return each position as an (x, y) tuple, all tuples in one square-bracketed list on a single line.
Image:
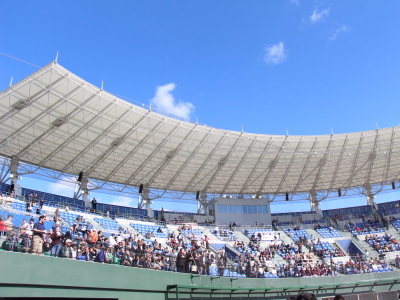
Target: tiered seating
[(379, 243), (367, 229), (224, 235), (325, 232), (246, 248), (291, 252), (217, 246), (19, 205), (313, 221), (295, 234), (324, 245), (109, 225), (227, 273), (189, 233), (17, 219), (250, 232), (396, 224), (389, 208), (369, 269), (69, 217), (145, 228)]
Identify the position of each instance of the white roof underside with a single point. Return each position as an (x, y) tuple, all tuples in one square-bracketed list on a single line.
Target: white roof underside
[(169, 154)]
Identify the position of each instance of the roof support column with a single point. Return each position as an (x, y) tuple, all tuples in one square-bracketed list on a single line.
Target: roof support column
[(370, 197), (202, 205), (147, 202), (314, 204), (84, 191), (14, 163)]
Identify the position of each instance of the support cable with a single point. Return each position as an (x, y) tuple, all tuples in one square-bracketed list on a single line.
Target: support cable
[(19, 60)]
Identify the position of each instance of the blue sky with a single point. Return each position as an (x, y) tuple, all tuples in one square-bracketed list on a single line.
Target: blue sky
[(304, 66)]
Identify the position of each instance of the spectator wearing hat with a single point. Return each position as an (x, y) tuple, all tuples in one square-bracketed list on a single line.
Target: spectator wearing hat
[(66, 249)]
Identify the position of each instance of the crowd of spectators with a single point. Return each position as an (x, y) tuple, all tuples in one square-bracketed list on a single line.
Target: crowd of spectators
[(224, 234), (362, 264), (305, 270), (382, 243)]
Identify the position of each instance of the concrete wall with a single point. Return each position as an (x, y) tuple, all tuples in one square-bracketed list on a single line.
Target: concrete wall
[(25, 275)]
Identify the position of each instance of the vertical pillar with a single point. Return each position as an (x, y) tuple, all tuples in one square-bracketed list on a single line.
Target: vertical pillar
[(14, 163), (314, 204), (204, 203), (370, 197), (147, 202), (84, 189)]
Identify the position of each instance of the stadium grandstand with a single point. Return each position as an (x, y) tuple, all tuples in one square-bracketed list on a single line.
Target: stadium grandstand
[(56, 125)]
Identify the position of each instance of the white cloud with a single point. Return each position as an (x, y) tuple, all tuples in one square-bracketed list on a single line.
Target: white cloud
[(275, 54), (295, 2), (344, 28), (122, 201), (165, 101), (315, 17), (61, 188)]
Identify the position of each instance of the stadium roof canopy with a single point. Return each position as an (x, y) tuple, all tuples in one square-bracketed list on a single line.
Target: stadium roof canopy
[(54, 120)]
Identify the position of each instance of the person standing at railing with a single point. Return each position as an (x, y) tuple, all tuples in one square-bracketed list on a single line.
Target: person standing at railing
[(39, 230), (56, 241), (8, 223), (9, 200), (94, 204), (2, 199)]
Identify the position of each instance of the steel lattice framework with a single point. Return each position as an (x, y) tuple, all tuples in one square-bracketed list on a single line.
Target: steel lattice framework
[(54, 120)]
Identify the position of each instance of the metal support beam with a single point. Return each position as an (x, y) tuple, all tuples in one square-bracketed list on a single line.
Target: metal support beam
[(187, 161), (239, 165), (310, 155), (94, 141), (355, 161), (210, 155), (371, 158), (298, 147), (259, 160), (77, 133), (138, 146), (153, 153), (272, 166), (322, 163), (125, 137), (338, 163), (221, 163), (389, 157), (44, 113), (52, 128), (30, 99), (171, 155)]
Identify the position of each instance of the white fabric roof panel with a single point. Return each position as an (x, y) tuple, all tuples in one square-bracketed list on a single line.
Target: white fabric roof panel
[(63, 123)]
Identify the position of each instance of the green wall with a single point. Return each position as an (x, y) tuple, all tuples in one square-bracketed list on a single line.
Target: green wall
[(25, 275)]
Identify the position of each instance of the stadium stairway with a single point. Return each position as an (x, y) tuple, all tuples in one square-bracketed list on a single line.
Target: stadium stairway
[(284, 237), (213, 238), (314, 234), (362, 245), (90, 218), (240, 235)]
